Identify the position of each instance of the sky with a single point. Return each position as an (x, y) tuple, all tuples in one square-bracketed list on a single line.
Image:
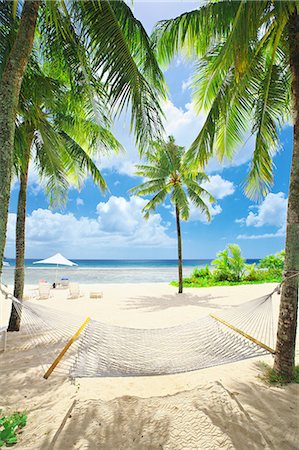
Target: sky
[(111, 226)]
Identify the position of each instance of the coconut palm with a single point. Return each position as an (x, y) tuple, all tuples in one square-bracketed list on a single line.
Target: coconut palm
[(57, 130), (248, 80), (99, 44), (167, 174), (11, 79)]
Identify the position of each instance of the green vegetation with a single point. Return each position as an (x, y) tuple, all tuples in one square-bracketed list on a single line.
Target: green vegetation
[(66, 72), (100, 46), (270, 376), (229, 265), (167, 174), (10, 426), (273, 262), (57, 129), (246, 78), (231, 269)]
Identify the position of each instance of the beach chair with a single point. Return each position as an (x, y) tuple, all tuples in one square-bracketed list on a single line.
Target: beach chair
[(74, 289), (96, 294), (44, 291), (64, 282)]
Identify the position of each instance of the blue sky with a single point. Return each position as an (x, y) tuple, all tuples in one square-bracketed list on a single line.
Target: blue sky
[(102, 227)]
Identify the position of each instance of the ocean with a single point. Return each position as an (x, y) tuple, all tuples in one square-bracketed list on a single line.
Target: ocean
[(102, 271)]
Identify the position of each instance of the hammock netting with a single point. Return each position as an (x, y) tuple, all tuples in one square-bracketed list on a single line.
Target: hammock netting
[(104, 350)]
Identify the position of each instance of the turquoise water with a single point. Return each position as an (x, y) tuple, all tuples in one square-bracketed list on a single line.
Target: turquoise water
[(107, 271)]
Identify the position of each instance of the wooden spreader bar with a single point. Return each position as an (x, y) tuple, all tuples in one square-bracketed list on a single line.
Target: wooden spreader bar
[(65, 349), (242, 333)]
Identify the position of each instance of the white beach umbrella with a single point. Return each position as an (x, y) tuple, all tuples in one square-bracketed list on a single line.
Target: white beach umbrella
[(58, 260)]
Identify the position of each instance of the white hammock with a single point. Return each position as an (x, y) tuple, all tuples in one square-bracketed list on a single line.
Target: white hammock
[(104, 350)]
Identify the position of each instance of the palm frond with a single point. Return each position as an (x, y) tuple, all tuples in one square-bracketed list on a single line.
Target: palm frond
[(239, 81), (198, 201), (180, 200), (155, 201), (166, 174), (82, 160), (121, 52), (150, 187), (270, 103)]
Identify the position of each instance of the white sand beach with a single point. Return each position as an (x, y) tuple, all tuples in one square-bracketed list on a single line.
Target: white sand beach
[(224, 407)]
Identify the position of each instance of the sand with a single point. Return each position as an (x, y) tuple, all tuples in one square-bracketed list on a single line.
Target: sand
[(225, 407)]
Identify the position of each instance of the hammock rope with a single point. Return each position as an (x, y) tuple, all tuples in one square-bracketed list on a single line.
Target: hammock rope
[(105, 350)]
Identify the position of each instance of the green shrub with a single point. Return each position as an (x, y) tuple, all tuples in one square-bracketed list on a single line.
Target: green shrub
[(203, 272), (10, 426), (230, 269), (187, 282), (273, 262), (253, 274), (229, 264)]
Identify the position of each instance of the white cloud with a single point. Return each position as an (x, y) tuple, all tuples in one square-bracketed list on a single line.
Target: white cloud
[(118, 223), (271, 212), (79, 201), (242, 221), (183, 123), (186, 84), (219, 187), (279, 233)]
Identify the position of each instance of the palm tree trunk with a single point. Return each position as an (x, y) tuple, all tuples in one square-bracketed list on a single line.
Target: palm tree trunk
[(9, 96), (286, 335), (15, 317), (180, 262)]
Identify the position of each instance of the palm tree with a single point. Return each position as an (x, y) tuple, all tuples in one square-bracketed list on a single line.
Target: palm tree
[(52, 123), (11, 79), (167, 174), (248, 77), (100, 44)]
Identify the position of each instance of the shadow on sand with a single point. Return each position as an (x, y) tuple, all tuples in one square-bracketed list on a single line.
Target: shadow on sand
[(243, 416), (151, 303)]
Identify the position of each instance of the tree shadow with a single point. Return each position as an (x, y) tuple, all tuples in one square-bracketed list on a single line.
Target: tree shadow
[(214, 415), (118, 424), (152, 303), (272, 413)]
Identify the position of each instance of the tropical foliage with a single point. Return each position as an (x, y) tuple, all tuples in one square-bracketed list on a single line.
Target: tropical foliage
[(10, 426), (229, 264), (273, 262), (101, 47), (242, 78), (167, 174), (58, 130), (247, 79), (230, 268)]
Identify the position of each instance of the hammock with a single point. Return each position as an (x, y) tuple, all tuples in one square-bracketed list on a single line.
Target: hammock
[(104, 350)]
